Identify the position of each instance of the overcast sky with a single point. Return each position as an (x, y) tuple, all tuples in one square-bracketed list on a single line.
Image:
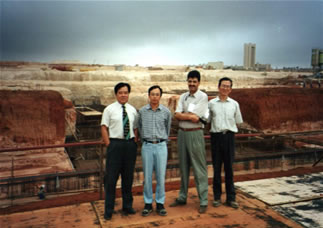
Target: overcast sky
[(161, 32)]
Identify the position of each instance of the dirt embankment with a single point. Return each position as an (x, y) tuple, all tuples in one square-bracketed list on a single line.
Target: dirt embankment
[(33, 118), (281, 109)]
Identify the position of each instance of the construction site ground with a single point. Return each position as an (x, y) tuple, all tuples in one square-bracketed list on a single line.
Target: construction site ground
[(86, 210)]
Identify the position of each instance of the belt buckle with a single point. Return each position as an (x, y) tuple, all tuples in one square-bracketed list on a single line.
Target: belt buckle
[(158, 141), (224, 132), (153, 141)]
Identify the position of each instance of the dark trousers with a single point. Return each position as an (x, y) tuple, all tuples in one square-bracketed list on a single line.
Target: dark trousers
[(222, 146), (120, 159)]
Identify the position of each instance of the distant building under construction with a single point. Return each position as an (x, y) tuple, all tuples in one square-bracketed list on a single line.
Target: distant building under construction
[(317, 59), (249, 59)]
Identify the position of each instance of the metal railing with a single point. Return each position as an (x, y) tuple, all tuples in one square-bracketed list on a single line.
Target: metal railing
[(92, 180), (86, 180), (15, 187)]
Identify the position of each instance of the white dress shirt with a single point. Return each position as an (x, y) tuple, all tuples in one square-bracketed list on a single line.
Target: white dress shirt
[(196, 103), (112, 119), (224, 115)]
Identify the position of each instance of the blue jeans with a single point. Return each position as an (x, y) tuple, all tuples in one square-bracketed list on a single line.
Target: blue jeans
[(154, 157)]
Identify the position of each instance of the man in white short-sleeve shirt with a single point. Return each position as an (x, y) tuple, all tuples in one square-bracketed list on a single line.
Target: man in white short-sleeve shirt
[(119, 133), (224, 115)]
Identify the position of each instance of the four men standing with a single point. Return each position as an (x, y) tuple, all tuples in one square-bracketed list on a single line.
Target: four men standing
[(119, 132)]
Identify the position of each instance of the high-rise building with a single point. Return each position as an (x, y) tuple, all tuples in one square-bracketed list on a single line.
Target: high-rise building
[(317, 59), (249, 58)]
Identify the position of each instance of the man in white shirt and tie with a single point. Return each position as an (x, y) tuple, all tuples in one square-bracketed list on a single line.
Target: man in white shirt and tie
[(119, 134)]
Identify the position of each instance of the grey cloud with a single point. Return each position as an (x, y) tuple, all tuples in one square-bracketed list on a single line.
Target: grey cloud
[(101, 30)]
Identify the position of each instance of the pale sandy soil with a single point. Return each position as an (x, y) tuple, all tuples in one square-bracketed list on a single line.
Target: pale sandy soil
[(86, 84)]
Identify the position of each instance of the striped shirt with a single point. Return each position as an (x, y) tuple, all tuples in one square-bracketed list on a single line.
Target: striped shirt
[(154, 125)]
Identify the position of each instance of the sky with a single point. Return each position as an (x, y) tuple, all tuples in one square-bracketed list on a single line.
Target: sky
[(160, 32)]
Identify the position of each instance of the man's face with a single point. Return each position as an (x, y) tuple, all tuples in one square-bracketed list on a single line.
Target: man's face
[(225, 88), (193, 84), (122, 95), (154, 96)]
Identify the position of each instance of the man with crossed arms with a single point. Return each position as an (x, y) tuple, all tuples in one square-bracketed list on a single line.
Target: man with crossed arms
[(192, 105)]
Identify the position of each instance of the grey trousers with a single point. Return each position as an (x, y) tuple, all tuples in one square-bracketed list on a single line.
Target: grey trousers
[(191, 151)]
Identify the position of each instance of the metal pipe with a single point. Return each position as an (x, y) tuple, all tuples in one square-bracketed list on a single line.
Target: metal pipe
[(171, 137), (52, 176), (51, 146), (92, 143), (236, 135)]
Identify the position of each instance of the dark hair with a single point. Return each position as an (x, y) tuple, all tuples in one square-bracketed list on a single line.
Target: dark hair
[(194, 74), (225, 79), (155, 87), (120, 85)]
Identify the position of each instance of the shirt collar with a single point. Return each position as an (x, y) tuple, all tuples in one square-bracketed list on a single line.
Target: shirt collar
[(149, 107), (125, 104), (217, 99), (192, 95)]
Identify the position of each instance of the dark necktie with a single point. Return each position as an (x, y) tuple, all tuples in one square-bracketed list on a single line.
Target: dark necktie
[(126, 132)]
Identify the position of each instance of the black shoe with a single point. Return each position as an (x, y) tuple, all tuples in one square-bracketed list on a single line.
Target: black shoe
[(232, 204), (216, 203), (202, 209), (108, 216), (177, 203), (161, 210), (128, 211), (147, 210)]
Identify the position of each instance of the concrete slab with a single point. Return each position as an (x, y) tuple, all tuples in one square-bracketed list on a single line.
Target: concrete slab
[(283, 190), (297, 197), (309, 214)]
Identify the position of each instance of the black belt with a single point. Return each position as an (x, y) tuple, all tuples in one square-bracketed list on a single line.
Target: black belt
[(155, 141), (223, 132), (117, 139)]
